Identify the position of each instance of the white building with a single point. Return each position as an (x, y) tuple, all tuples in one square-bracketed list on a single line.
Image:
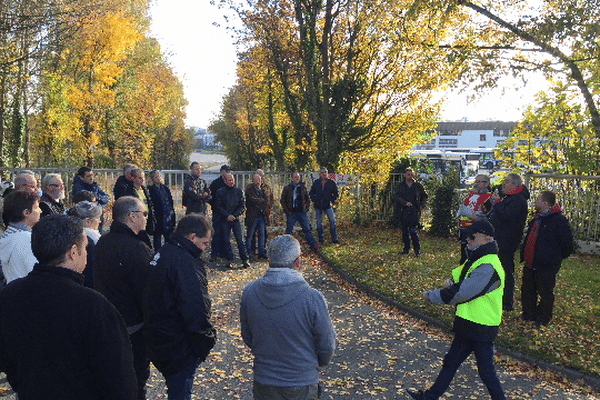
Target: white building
[(205, 138), (461, 135)]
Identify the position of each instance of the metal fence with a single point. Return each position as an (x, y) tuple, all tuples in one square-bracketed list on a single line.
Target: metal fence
[(368, 197), (106, 179), (579, 198)]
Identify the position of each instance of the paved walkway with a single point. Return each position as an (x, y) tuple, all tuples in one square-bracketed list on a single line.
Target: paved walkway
[(380, 351)]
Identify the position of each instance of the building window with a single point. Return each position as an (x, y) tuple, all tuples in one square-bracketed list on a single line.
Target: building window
[(482, 138), (448, 142)]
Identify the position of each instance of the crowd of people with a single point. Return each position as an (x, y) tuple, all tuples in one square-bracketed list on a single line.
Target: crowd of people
[(137, 300), (491, 226)]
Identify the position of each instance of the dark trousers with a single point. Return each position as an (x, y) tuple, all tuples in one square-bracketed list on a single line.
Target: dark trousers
[(538, 283), (460, 349), (507, 259), (215, 243), (157, 240), (141, 364), (408, 234)]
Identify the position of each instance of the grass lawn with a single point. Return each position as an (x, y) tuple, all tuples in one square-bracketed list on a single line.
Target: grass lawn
[(572, 339)]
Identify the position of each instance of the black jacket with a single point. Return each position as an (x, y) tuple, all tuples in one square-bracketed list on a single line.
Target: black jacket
[(214, 188), (553, 244), (400, 201), (508, 219), (230, 201), (50, 206), (177, 307), (123, 187), (322, 197), (121, 268), (60, 340)]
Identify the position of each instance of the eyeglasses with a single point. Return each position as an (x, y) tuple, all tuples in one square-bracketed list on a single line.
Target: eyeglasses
[(143, 212), (56, 185)]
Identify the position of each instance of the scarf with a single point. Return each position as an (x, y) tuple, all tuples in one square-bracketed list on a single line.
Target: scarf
[(533, 234), (510, 192)]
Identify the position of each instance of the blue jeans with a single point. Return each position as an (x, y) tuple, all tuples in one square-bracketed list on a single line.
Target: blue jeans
[(258, 226), (179, 385), (331, 218), (302, 219), (408, 234), (226, 228), (459, 351)]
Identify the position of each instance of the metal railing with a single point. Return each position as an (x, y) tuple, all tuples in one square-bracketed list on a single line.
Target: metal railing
[(367, 197), (578, 197)]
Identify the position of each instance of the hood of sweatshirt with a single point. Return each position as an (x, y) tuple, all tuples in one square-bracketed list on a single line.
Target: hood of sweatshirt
[(279, 286)]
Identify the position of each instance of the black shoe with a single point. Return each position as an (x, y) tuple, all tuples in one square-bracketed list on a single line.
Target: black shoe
[(263, 257), (538, 324), (507, 308), (417, 254), (227, 265), (246, 264), (335, 241), (403, 252), (415, 394)]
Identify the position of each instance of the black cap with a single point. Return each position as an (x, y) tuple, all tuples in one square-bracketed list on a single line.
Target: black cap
[(225, 167), (479, 226)]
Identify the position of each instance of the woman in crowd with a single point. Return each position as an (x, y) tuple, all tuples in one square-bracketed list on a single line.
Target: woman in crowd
[(90, 214), (20, 213), (163, 208)]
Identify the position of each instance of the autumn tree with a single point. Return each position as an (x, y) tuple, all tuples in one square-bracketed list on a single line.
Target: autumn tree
[(557, 38), (32, 34), (553, 136), (356, 77), (91, 67)]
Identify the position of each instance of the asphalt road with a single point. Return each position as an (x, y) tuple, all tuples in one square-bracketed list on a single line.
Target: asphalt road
[(380, 351)]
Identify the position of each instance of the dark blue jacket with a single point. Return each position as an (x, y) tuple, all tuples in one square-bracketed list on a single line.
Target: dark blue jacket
[(162, 207), (322, 197), (177, 307), (229, 201), (79, 186)]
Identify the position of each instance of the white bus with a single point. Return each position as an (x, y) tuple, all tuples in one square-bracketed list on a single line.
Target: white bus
[(467, 163)]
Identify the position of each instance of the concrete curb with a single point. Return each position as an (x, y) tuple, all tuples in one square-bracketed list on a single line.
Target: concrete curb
[(569, 373)]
